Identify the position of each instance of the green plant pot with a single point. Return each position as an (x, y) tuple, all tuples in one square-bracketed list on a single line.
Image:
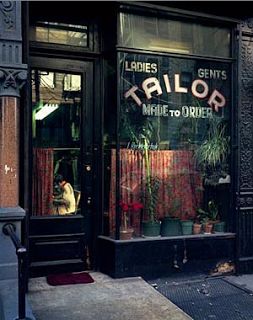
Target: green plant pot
[(170, 227), (220, 226), (186, 227), (151, 229)]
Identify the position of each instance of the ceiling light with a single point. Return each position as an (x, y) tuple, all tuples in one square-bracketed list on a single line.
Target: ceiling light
[(45, 111)]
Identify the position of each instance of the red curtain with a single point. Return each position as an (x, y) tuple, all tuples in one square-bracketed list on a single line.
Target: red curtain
[(43, 176), (180, 185)]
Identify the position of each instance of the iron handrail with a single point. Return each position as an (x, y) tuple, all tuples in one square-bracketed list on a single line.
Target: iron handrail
[(9, 230)]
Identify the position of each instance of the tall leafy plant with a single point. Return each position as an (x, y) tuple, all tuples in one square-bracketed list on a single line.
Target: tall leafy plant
[(152, 183), (212, 154), (141, 133)]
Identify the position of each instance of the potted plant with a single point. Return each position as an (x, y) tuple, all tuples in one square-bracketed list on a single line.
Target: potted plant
[(151, 226), (186, 225), (218, 226), (212, 211), (170, 223), (207, 226), (126, 231), (211, 155), (213, 216), (203, 219), (141, 134), (197, 227), (208, 217)]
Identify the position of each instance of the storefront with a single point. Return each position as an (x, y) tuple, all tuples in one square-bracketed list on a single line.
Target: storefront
[(171, 164), (137, 140)]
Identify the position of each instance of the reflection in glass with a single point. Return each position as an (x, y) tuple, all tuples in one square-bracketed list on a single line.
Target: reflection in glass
[(61, 94), (151, 33)]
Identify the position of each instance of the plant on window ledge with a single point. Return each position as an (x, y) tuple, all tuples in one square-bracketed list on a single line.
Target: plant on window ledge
[(141, 134), (211, 216), (171, 223), (126, 230), (213, 211), (151, 227)]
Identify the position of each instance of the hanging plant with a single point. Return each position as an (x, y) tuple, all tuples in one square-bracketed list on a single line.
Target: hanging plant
[(212, 154)]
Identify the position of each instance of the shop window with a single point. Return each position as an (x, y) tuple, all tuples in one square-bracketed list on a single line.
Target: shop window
[(56, 110), (155, 34), (174, 136), (60, 33)]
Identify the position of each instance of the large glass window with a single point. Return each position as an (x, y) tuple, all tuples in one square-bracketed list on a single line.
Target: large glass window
[(56, 101), (174, 146), (155, 34)]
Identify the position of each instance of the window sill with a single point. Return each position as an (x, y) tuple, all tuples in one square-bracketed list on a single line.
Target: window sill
[(218, 235)]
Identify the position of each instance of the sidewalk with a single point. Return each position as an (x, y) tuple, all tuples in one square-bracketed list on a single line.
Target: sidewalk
[(244, 281), (105, 299), (9, 300)]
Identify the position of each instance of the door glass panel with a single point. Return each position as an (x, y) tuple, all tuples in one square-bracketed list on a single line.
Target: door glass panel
[(56, 118)]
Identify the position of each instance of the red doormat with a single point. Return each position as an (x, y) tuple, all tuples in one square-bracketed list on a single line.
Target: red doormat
[(69, 278)]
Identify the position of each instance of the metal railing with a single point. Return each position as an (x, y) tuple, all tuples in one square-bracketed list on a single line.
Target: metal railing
[(9, 230)]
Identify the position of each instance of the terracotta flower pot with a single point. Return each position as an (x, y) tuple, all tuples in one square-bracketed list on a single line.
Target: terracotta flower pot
[(208, 227), (197, 227), (126, 234)]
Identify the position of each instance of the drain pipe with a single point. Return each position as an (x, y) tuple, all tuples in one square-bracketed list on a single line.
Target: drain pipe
[(21, 252)]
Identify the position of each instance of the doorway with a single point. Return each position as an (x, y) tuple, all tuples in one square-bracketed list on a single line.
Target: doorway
[(62, 165)]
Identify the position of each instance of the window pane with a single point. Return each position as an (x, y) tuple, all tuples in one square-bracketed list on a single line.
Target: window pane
[(174, 141), (60, 33), (56, 109), (173, 36), (56, 100)]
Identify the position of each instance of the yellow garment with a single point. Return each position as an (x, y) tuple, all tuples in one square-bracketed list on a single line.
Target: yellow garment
[(68, 204)]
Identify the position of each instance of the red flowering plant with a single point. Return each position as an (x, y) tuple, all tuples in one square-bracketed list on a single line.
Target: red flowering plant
[(126, 209)]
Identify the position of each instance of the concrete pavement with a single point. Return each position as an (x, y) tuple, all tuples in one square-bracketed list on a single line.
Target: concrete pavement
[(105, 299), (9, 300)]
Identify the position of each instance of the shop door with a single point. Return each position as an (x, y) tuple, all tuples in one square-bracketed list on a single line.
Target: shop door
[(62, 171)]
